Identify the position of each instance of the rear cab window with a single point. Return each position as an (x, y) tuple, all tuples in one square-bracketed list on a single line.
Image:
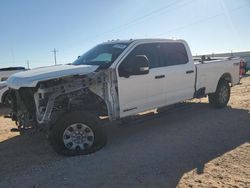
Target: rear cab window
[(172, 54)]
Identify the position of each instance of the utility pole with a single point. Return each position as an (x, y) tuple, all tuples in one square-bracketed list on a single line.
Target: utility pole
[(28, 64), (54, 51)]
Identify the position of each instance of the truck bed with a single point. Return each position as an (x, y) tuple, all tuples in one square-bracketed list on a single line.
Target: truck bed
[(208, 73)]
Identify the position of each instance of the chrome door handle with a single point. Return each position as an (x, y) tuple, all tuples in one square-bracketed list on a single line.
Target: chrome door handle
[(189, 71), (159, 76)]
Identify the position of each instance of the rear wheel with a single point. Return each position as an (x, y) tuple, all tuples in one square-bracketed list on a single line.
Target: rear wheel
[(77, 133), (220, 98)]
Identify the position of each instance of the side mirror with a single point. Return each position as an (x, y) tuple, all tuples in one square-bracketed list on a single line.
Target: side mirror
[(140, 65)]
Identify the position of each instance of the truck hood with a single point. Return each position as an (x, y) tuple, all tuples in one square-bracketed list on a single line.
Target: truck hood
[(30, 78)]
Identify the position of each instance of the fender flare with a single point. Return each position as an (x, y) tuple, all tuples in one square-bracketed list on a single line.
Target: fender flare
[(226, 76)]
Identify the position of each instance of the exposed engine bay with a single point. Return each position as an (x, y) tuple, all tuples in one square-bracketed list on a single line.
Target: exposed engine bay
[(49, 100)]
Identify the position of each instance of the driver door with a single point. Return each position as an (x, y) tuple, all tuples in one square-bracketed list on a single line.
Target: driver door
[(138, 93)]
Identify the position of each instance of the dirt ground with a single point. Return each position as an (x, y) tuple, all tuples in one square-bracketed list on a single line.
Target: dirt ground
[(191, 146)]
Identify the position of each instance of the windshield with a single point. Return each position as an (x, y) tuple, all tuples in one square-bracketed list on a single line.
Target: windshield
[(103, 54)]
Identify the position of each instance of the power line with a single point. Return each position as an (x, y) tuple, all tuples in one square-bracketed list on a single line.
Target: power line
[(160, 11), (143, 17), (156, 11), (201, 20)]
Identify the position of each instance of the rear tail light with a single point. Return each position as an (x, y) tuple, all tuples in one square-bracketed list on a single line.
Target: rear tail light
[(242, 70), (241, 63)]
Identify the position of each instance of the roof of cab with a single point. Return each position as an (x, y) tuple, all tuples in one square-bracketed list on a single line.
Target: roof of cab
[(142, 40)]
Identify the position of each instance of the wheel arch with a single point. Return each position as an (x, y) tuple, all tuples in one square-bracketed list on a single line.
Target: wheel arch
[(91, 103), (98, 103), (226, 76)]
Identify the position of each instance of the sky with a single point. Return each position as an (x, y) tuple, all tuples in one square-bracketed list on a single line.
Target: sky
[(30, 30)]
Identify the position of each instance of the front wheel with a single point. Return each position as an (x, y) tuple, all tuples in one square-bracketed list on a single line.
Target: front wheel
[(77, 133), (220, 98)]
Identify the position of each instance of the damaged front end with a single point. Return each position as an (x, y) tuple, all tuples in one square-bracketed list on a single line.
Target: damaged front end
[(41, 106), (23, 108)]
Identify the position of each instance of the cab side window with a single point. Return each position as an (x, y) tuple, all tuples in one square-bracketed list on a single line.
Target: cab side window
[(149, 50), (172, 54)]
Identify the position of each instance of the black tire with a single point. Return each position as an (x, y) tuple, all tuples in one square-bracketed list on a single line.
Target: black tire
[(57, 133), (220, 98)]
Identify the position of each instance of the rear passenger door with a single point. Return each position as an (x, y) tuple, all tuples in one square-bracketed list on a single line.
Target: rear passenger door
[(179, 72)]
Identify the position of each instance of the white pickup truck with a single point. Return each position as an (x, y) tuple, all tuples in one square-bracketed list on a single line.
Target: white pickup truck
[(116, 79)]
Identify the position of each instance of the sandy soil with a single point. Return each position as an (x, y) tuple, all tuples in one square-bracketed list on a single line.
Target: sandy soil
[(232, 169), (194, 146)]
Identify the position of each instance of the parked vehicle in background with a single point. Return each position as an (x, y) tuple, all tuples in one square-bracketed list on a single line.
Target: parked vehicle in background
[(116, 79), (4, 75), (6, 72)]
